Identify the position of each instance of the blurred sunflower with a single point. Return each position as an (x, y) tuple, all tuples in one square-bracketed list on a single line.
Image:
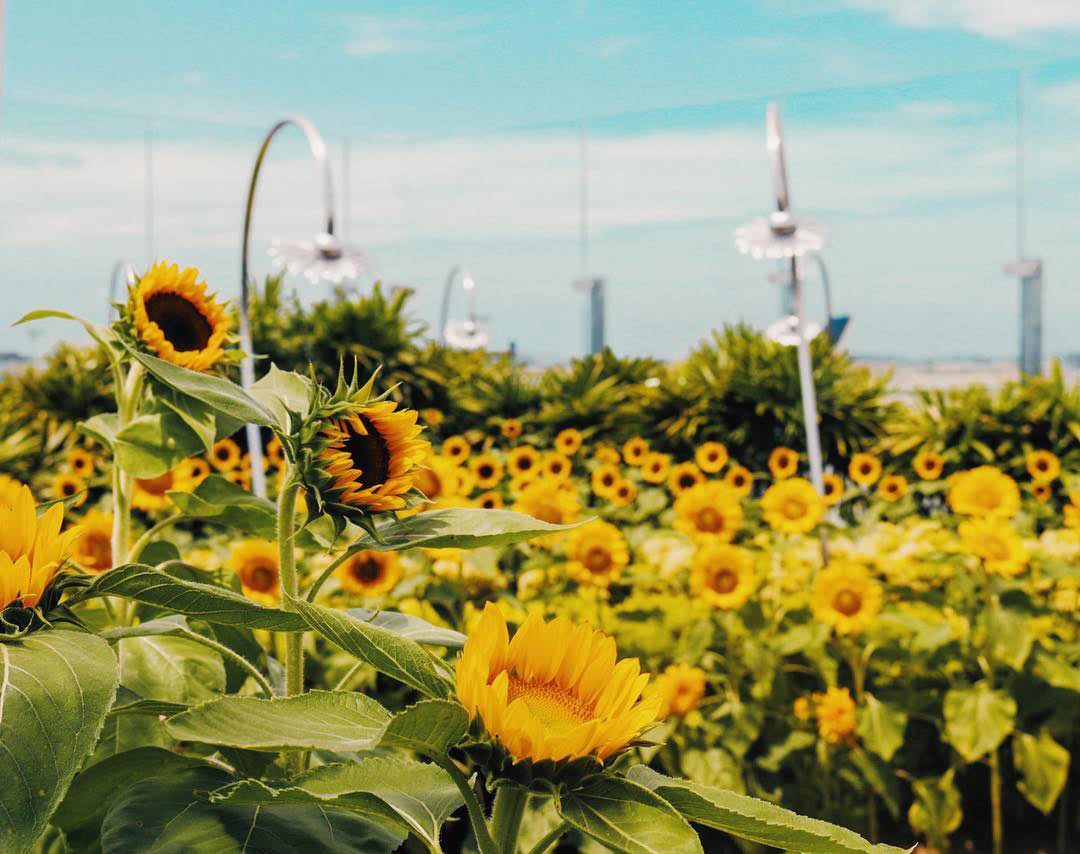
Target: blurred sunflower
[(709, 512), (723, 575), (835, 712), (241, 477), (10, 488), (801, 709), (928, 465), (32, 549), (151, 493), (711, 456), (607, 454), (456, 449), (67, 485), (549, 500), (1042, 492), (556, 465), (93, 550), (1071, 511), (374, 456), (833, 488), (432, 417), (256, 562), (624, 493), (983, 491), (845, 597), (489, 501), (369, 573), (682, 688), (634, 450), (864, 469), (783, 462), (655, 467), (996, 543), (511, 428), (596, 553), (437, 478), (893, 487), (568, 441), (555, 691), (275, 453), (740, 479), (194, 470), (524, 459), (1043, 466), (683, 476), (604, 479), (487, 469), (225, 455), (175, 318), (80, 462), (792, 506)]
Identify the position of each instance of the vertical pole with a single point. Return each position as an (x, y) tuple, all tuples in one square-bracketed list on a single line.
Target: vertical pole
[(583, 198), (809, 401), (1031, 320), (148, 188), (596, 315), (346, 158)]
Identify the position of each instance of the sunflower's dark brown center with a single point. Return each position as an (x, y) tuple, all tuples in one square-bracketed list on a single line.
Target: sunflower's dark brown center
[(865, 468), (597, 560), (488, 503), (524, 463), (1042, 465), (222, 453), (686, 481), (739, 480), (708, 519), (69, 488), (724, 581), (366, 570), (607, 479), (486, 471), (830, 487), (847, 602), (182, 324), (262, 577), (369, 453)]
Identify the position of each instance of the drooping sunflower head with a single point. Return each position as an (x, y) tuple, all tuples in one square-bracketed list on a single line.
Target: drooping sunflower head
[(568, 441), (623, 493), (370, 573), (984, 491), (845, 597), (864, 469), (151, 493), (634, 450), (80, 462), (256, 562), (740, 479), (456, 449), (225, 455), (549, 500), (596, 553), (655, 467), (554, 692), (996, 543), (783, 462), (68, 485), (176, 319), (682, 688), (32, 549), (928, 465), (723, 575), (792, 506), (93, 550), (605, 477), (683, 476), (556, 465), (835, 711), (833, 488), (1043, 466), (893, 487), (708, 512), (711, 457), (487, 469)]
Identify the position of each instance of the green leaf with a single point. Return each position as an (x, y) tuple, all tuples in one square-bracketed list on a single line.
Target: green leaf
[(319, 720), (627, 817), (397, 657), (165, 814), (101, 334), (777, 753), (222, 396), (101, 428), (56, 689), (754, 820), (153, 444), (409, 627), (880, 726), (1053, 670), (936, 811), (430, 727), (881, 778), (978, 719), (227, 504), (457, 528), (201, 419), (203, 601), (1009, 636), (281, 393), (1044, 767)]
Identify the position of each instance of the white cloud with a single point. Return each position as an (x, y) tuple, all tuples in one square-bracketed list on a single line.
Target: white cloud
[(384, 35), (996, 19), (612, 47), (1062, 95)]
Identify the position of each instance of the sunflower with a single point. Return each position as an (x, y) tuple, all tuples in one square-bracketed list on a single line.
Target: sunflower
[(740, 479), (792, 506), (845, 597), (682, 688), (80, 462), (374, 456), (150, 493), (723, 575), (833, 488), (432, 417), (68, 485), (194, 470), (548, 500), (511, 428), (456, 449), (93, 550), (10, 488), (1043, 466), (783, 462), (369, 573), (556, 465), (835, 712), (466, 481), (711, 456), (438, 478), (596, 553), (634, 450), (489, 501), (864, 469), (984, 491), (554, 692), (32, 549), (487, 470), (604, 479), (607, 454), (709, 512), (275, 453), (175, 317), (996, 543), (928, 465), (624, 493), (655, 467), (524, 459), (893, 487), (1042, 492), (683, 476), (241, 477), (256, 562), (568, 441), (225, 455), (801, 709)]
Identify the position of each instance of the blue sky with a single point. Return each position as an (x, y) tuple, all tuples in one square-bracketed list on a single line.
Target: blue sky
[(462, 120)]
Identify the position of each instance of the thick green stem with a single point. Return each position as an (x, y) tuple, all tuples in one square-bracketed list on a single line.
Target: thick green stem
[(127, 407), (510, 801), (995, 802), (484, 843), (290, 589), (313, 591), (550, 839)]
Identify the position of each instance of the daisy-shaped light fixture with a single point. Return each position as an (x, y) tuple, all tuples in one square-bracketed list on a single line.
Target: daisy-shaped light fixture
[(469, 334), (325, 258)]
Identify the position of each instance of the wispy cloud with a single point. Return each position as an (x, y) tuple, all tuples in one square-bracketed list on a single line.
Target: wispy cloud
[(385, 35), (995, 19), (613, 46)]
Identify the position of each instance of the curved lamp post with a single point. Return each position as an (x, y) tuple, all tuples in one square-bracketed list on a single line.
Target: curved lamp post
[(468, 334), (782, 235), (325, 258)]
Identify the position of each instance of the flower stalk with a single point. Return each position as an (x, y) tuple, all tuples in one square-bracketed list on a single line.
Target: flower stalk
[(290, 589), (128, 396), (506, 815)]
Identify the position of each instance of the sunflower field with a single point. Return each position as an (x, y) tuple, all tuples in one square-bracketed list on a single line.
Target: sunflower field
[(488, 609)]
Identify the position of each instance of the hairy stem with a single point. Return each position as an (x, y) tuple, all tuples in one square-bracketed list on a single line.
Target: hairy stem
[(484, 842), (152, 532), (290, 588), (506, 816), (550, 839), (127, 406)]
